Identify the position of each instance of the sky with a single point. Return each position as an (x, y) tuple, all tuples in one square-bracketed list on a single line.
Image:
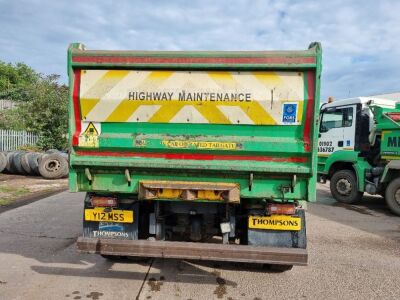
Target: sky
[(360, 39)]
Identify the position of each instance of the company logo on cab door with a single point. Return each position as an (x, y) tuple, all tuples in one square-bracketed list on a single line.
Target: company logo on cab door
[(393, 141)]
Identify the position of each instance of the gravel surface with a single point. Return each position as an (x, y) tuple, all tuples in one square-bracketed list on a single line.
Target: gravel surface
[(354, 253)]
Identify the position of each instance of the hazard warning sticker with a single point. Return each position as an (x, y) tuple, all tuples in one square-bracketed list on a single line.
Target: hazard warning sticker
[(89, 136)]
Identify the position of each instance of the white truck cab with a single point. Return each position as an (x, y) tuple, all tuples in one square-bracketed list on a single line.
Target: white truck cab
[(354, 133), (346, 124)]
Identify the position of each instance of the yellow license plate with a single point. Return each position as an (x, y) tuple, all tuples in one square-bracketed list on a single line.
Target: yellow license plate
[(275, 222), (98, 214)]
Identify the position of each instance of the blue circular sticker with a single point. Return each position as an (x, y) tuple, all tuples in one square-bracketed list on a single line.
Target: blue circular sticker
[(290, 109)]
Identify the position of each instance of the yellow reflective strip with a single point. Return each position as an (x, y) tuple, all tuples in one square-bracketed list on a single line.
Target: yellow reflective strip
[(223, 79), (87, 105), (300, 111), (100, 88), (127, 107), (391, 157), (212, 113), (269, 79), (154, 80), (104, 84), (123, 111), (253, 109), (256, 113), (166, 111)]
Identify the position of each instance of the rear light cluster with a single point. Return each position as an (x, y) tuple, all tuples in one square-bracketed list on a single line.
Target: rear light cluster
[(103, 201), (394, 116), (281, 209)]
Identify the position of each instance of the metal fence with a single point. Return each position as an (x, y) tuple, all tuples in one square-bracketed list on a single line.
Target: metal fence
[(7, 104), (12, 140)]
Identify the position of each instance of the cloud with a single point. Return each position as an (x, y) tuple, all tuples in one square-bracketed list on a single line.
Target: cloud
[(359, 38)]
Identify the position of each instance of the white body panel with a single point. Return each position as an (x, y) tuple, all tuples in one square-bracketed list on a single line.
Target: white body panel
[(251, 98)]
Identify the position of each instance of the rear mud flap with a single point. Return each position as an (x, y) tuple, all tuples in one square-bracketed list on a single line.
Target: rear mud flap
[(280, 238), (112, 230)]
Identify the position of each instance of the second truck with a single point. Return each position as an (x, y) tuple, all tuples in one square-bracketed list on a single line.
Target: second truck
[(195, 155), (359, 149)]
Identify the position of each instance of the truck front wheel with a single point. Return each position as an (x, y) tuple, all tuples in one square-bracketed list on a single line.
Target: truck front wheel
[(393, 196), (343, 187)]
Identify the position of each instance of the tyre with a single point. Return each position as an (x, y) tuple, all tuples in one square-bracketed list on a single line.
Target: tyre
[(16, 163), (3, 161), (392, 196), (65, 155), (25, 164), (10, 167), (52, 151), (343, 187), (33, 159), (41, 156), (53, 166)]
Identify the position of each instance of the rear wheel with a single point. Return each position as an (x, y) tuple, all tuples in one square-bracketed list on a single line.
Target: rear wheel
[(393, 196), (343, 187)]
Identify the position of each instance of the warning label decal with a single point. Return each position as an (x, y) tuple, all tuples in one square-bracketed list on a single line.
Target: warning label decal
[(89, 137)]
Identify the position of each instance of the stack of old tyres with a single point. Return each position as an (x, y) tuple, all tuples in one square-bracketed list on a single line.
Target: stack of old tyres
[(52, 164)]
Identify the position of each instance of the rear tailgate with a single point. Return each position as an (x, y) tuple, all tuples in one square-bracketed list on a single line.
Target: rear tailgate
[(234, 117)]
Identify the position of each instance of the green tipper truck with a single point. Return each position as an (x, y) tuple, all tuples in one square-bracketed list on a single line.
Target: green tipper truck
[(359, 149), (195, 155)]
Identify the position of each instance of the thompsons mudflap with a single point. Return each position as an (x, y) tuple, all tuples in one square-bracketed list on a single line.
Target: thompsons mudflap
[(195, 155)]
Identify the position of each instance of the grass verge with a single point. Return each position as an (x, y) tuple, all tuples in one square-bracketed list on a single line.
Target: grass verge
[(9, 194)]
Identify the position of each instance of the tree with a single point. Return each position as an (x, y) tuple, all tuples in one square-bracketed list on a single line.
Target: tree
[(46, 114), (42, 104), (14, 79)]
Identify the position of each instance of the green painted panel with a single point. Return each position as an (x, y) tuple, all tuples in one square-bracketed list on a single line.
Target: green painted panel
[(178, 164), (276, 141), (262, 187)]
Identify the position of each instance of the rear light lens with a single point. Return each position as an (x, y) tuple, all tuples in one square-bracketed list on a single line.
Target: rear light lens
[(394, 116), (103, 201), (281, 209)]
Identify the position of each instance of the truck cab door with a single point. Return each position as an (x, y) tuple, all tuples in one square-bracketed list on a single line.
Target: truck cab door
[(337, 129)]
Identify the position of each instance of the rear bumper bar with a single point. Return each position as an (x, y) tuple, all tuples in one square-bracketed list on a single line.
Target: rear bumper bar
[(195, 251)]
